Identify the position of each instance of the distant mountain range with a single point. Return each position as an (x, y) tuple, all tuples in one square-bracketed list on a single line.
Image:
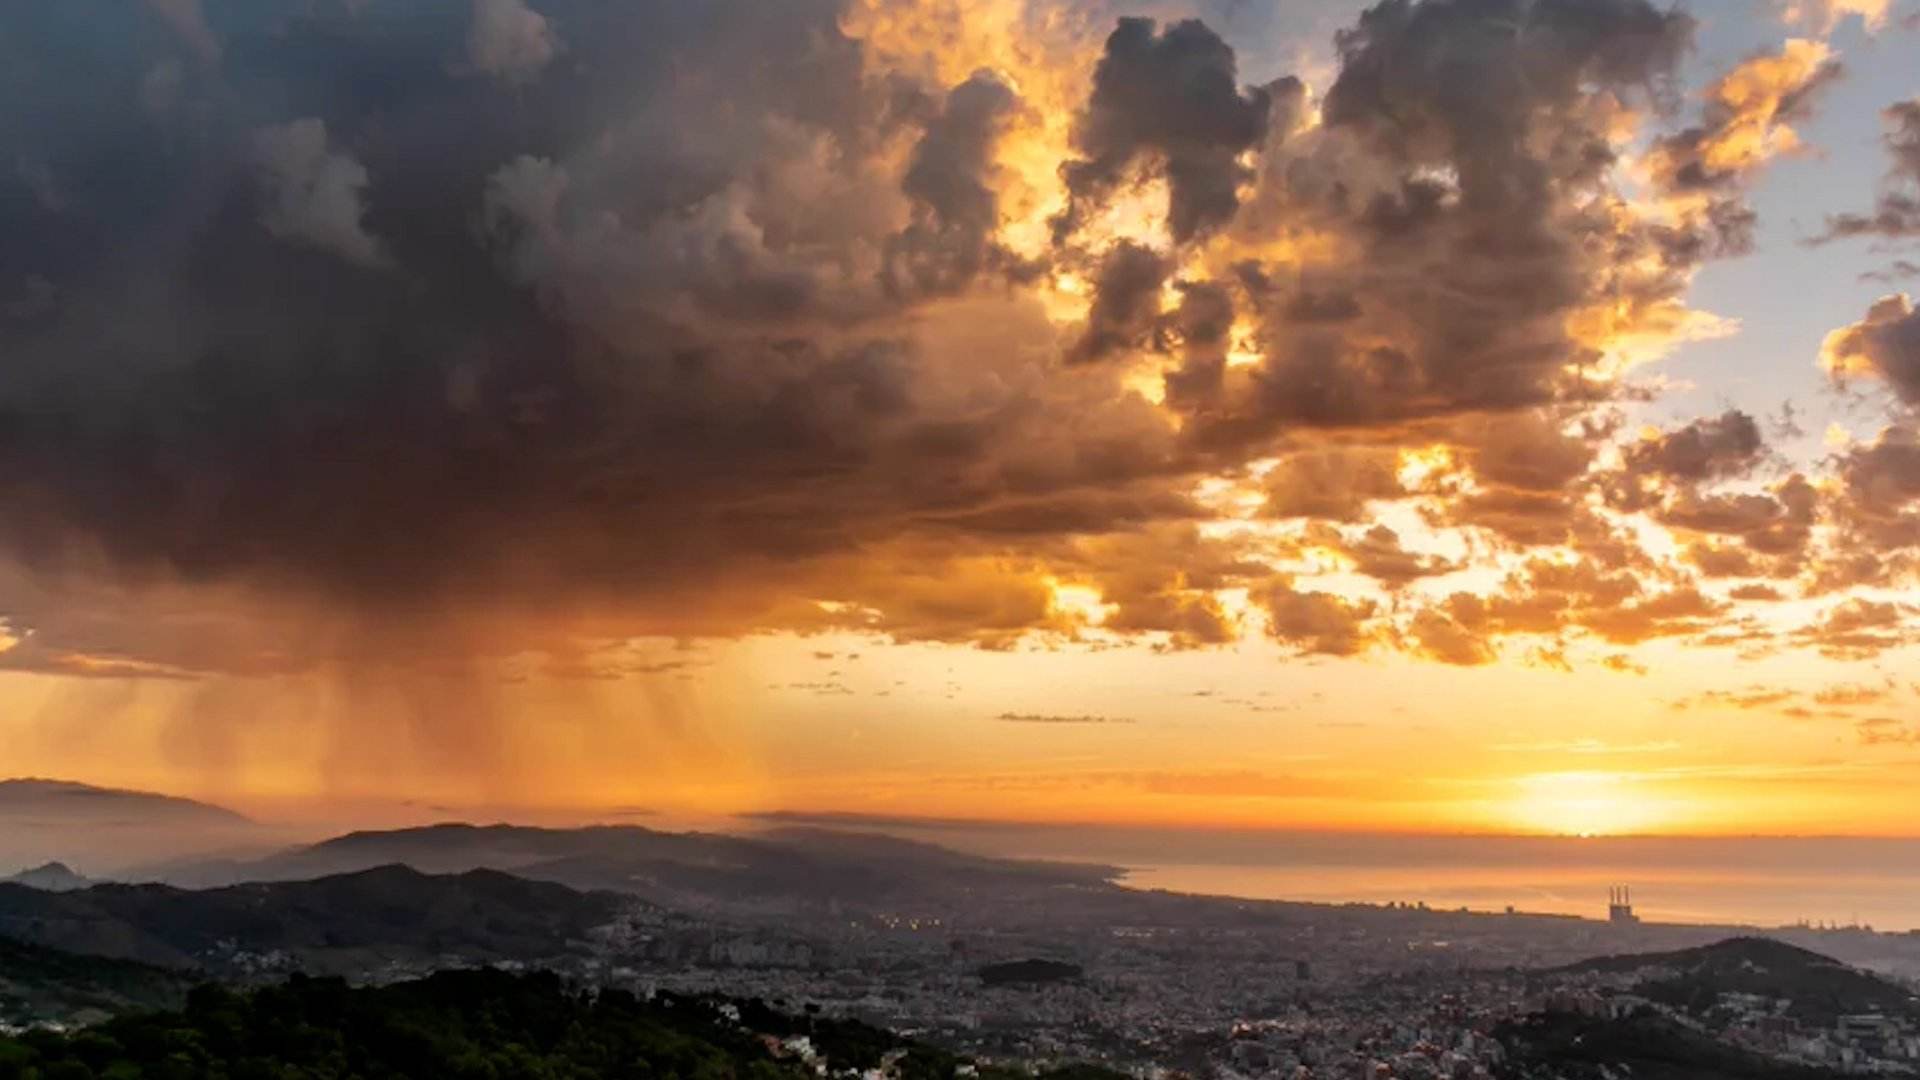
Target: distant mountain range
[(51, 876), (101, 831), (761, 874), (66, 802), (351, 923)]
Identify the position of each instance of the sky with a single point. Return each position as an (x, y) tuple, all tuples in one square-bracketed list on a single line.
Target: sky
[(1436, 416)]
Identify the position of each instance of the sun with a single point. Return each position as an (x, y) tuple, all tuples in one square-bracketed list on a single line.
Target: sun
[(1586, 804)]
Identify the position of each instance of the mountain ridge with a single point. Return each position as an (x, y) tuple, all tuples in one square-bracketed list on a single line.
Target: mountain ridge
[(70, 799), (51, 876), (340, 923), (709, 871)]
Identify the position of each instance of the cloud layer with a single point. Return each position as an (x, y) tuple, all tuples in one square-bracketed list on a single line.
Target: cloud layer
[(333, 325)]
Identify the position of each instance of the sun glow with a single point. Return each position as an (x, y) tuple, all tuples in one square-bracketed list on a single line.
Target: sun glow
[(1418, 466), (1243, 344), (1587, 804), (1083, 604)]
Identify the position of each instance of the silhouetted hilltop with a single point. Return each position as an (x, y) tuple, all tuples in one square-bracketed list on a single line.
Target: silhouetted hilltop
[(1820, 987), (52, 877), (350, 922), (1028, 972)]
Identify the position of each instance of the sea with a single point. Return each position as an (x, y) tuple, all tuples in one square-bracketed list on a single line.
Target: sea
[(1741, 881)]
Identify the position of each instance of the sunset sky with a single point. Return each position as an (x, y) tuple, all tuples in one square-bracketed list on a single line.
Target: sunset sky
[(1446, 415)]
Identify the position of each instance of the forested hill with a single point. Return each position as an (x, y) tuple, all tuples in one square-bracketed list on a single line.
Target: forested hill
[(1819, 989), (470, 1024), (1644, 1046), (344, 924), (38, 985)]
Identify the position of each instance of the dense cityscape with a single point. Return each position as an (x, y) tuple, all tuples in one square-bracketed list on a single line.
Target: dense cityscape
[(1354, 993), (1024, 965)]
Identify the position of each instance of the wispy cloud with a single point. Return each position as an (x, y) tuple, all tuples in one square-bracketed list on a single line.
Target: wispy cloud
[(1058, 718), (1587, 746)]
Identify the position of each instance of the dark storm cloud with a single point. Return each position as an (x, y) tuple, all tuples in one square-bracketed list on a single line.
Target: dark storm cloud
[(1332, 483), (1317, 623), (1563, 600), (1903, 141), (1126, 300), (1900, 270), (510, 41), (1205, 315), (1877, 504), (1202, 324), (1884, 345), (1675, 477), (1778, 523), (1462, 84), (1711, 448), (1439, 637), (1053, 718), (1458, 184), (1878, 507), (1896, 212), (1530, 470), (312, 193), (1745, 111), (404, 305), (957, 209), (1858, 629), (1170, 98), (1378, 553), (1527, 451), (332, 327), (1410, 59)]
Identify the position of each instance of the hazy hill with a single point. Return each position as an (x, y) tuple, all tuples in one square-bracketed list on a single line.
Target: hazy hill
[(67, 802), (1031, 972), (38, 984), (1820, 987), (352, 922), (100, 831), (781, 869), (51, 876)]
